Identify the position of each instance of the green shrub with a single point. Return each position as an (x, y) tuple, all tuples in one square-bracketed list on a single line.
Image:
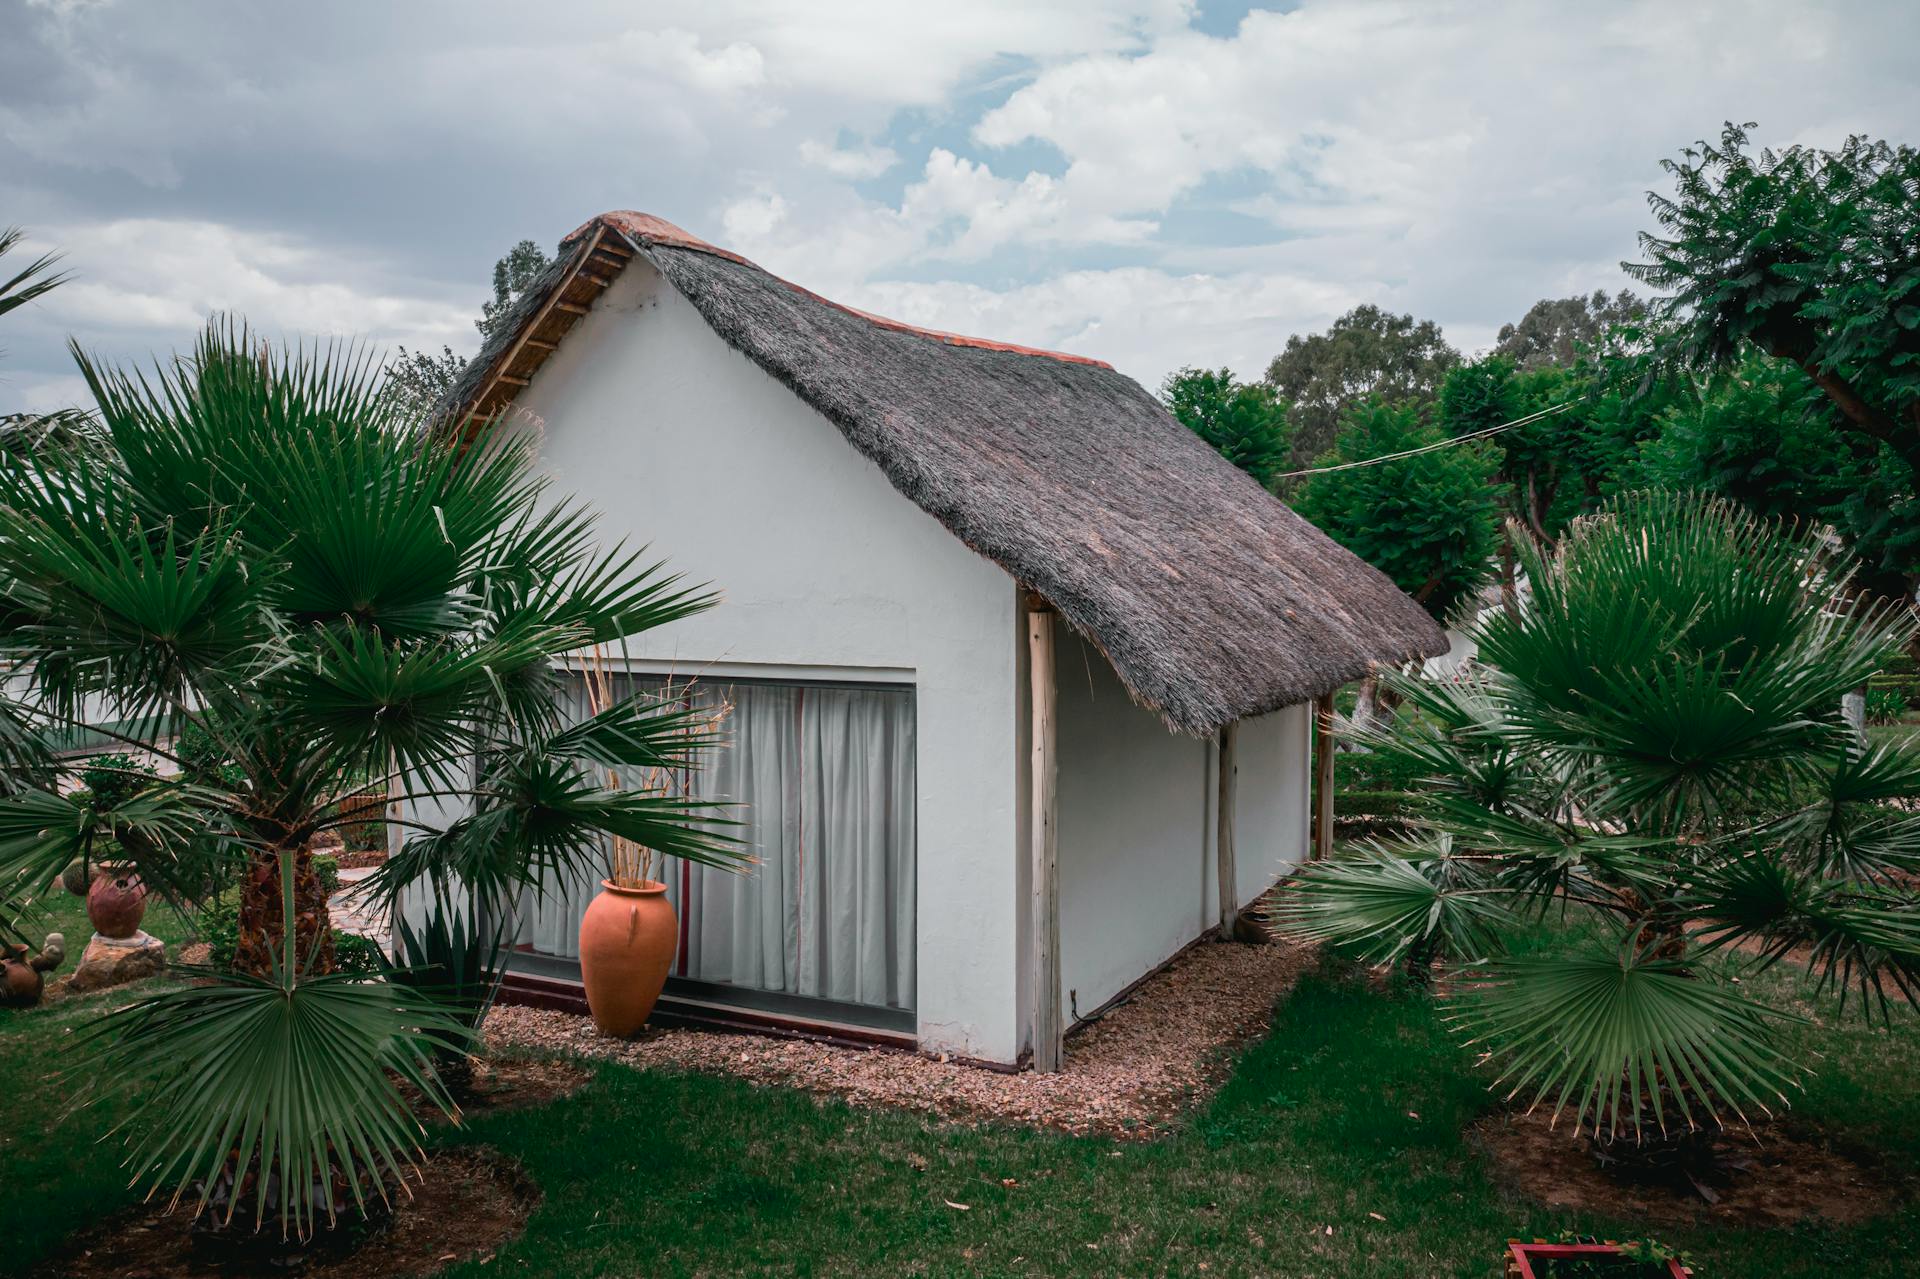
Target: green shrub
[(111, 780), (327, 868), (219, 926), (1389, 804), (204, 760), (1886, 705), (1373, 771), (353, 953)]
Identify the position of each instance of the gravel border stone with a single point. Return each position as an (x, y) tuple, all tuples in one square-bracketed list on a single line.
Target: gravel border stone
[(1133, 1073)]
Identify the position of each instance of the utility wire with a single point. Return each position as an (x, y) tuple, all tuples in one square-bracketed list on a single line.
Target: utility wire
[(1480, 434)]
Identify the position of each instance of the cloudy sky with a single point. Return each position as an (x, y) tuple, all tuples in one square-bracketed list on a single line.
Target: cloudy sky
[(1154, 182)]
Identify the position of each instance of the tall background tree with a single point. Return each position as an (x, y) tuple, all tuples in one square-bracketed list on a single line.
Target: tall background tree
[(1809, 257), (1427, 521), (419, 379), (1246, 421), (1556, 467), (1561, 330), (1365, 353)]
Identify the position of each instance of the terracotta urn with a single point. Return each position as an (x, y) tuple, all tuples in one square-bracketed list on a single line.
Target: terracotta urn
[(116, 902), (627, 938), (23, 974), (20, 982)]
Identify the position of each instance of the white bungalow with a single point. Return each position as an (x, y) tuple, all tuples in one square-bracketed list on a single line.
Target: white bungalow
[(992, 622)]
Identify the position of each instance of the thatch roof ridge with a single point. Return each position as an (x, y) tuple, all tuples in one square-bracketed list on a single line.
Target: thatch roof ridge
[(1213, 600)]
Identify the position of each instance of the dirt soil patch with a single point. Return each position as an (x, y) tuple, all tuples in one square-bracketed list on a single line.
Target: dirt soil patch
[(470, 1202), (517, 1083), (1793, 1177), (1132, 1073)]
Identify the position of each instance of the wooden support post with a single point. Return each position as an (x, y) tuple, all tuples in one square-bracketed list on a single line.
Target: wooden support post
[(1048, 1023), (1229, 878), (1322, 777)]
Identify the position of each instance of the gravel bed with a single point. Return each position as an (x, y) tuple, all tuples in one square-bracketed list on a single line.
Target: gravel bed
[(1130, 1074)]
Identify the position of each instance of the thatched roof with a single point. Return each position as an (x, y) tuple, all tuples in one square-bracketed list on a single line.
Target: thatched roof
[(1211, 598)]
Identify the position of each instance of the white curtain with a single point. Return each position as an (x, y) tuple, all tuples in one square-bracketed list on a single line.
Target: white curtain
[(823, 778)]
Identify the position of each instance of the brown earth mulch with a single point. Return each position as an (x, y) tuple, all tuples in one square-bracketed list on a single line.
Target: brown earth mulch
[(1793, 1177), (517, 1083), (1131, 1074), (471, 1202)]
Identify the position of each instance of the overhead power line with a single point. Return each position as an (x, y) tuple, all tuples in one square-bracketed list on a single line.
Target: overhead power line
[(1480, 434)]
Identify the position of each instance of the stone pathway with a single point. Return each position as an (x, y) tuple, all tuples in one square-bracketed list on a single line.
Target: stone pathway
[(352, 913)]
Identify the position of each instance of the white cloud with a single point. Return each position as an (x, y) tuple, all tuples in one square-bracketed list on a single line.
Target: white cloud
[(854, 164), (163, 278), (1457, 159), (727, 69), (753, 219), (1144, 321), (1097, 174)]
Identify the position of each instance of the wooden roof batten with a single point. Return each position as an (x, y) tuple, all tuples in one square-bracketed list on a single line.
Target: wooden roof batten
[(497, 390)]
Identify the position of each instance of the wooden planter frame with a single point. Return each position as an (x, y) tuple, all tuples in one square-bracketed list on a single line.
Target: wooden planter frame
[(1520, 1257)]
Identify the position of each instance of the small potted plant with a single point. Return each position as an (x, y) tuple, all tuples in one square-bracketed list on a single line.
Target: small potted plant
[(1581, 1257)]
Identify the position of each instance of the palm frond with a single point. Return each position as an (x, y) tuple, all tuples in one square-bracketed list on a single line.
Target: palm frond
[(31, 281), (303, 1077), (1725, 652), (1625, 1040), (372, 704), (639, 732), (1852, 938), (1387, 901), (156, 829)]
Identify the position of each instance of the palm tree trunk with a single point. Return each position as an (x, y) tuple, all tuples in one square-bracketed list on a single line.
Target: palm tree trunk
[(262, 916)]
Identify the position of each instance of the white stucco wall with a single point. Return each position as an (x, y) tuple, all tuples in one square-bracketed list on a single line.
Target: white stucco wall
[(1137, 825), (1132, 838), (1273, 814), (827, 572)]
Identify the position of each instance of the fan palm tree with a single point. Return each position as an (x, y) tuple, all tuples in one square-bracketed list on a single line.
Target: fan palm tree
[(1654, 748), (261, 550)]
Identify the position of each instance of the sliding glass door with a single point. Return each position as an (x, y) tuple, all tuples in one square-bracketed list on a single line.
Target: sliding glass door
[(823, 926)]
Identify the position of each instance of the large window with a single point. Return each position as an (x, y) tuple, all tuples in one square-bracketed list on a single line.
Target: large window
[(824, 925)]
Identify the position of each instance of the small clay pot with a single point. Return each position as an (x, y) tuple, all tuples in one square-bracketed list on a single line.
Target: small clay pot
[(116, 903), (627, 938), (20, 984)]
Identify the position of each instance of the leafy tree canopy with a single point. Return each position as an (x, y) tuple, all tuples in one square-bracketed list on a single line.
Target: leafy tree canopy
[(519, 267), (1558, 467), (1810, 255), (1366, 352), (1763, 434), (1559, 330), (1246, 421), (1428, 522)]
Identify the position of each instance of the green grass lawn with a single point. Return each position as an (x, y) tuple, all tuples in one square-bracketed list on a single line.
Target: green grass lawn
[(1903, 730), (679, 1175)]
